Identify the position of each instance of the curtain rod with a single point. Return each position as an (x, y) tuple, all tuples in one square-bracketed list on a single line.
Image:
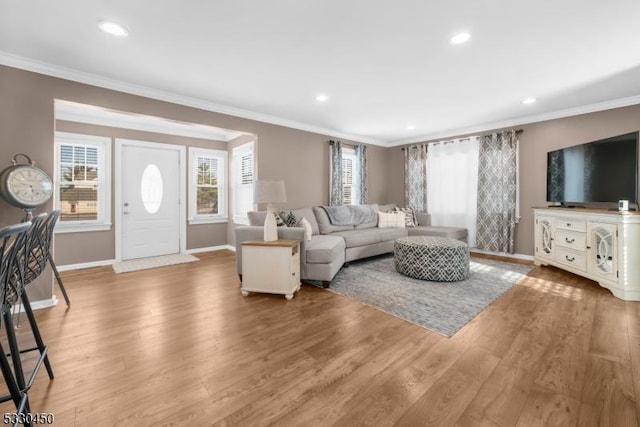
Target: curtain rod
[(332, 142), (518, 131)]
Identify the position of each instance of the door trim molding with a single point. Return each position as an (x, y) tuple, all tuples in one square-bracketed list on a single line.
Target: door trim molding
[(182, 150)]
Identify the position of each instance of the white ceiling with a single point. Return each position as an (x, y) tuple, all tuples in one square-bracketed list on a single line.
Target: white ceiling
[(384, 64)]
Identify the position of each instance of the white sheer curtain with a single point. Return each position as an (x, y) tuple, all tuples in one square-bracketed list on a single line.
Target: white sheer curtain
[(452, 184)]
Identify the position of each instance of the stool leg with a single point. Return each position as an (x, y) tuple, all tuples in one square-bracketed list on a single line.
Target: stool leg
[(59, 280), (15, 357), (9, 378), (36, 332)]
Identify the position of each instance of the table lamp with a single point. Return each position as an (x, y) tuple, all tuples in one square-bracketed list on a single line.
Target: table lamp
[(269, 191)]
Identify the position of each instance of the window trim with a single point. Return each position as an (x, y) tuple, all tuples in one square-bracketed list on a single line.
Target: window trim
[(103, 145), (238, 152), (222, 216)]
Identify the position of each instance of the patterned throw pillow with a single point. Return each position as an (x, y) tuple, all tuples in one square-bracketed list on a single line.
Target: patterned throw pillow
[(409, 216), (279, 221), (289, 219)]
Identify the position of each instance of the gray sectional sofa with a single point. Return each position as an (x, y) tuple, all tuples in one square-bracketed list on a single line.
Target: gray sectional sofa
[(331, 246)]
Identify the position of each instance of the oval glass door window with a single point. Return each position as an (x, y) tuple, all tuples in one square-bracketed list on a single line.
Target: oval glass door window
[(151, 189)]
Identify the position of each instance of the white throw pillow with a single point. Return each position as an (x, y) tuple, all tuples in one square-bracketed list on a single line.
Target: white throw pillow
[(391, 220), (307, 228)]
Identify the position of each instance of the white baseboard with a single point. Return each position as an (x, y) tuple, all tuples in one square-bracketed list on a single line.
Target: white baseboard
[(211, 249), (82, 265), (503, 254), (39, 305)]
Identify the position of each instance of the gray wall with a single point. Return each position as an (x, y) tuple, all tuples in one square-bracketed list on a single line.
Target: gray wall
[(540, 138), (103, 242), (27, 124), (536, 140)]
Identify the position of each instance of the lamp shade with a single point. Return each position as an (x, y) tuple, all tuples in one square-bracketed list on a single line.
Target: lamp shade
[(269, 191)]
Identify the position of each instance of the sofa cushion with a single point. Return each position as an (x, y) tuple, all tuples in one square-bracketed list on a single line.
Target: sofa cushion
[(323, 249), (392, 233), (256, 217), (387, 208), (309, 215), (375, 208), (353, 238), (457, 233), (325, 225), (423, 218)]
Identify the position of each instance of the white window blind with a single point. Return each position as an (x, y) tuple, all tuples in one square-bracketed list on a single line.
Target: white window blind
[(82, 182), (348, 166), (207, 202), (243, 176)]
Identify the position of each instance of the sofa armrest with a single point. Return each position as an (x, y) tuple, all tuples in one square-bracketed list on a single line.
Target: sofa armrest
[(255, 232), (423, 218)]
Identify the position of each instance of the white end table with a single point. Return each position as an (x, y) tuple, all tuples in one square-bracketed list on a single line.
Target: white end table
[(271, 267)]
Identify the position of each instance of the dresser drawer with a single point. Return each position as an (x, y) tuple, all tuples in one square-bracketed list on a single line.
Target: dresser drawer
[(571, 224), (571, 239), (572, 258)]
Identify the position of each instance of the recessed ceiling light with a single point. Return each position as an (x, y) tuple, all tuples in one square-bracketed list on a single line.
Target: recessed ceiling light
[(321, 98), (411, 127), (460, 38), (113, 29), (529, 101)]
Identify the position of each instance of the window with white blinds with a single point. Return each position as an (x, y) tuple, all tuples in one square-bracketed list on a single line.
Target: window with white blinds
[(208, 184), (243, 177), (82, 182), (348, 166)]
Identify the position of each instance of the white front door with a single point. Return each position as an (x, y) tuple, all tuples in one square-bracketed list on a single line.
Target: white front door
[(150, 200)]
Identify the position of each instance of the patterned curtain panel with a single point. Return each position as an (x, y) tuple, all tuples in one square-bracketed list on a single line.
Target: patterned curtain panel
[(363, 179), (415, 177), (497, 192), (335, 186)]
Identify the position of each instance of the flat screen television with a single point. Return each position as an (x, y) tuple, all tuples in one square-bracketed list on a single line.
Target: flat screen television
[(598, 173)]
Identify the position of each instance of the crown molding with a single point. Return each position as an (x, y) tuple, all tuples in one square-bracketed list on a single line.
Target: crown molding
[(117, 85), (520, 121), (148, 92)]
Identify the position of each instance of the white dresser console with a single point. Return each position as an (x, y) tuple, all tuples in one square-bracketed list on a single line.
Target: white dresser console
[(598, 244)]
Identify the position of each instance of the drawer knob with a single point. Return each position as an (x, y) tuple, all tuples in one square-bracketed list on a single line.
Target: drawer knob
[(570, 259), (568, 240), (568, 224)]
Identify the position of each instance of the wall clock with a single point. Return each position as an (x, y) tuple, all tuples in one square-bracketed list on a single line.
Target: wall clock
[(24, 185)]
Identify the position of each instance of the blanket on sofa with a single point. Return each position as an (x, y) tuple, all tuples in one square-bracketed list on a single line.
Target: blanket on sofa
[(350, 214)]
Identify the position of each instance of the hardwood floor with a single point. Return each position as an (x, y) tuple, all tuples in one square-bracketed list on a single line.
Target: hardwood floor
[(179, 345)]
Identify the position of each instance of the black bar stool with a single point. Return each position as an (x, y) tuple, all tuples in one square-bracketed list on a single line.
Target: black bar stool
[(13, 248), (34, 261), (30, 260)]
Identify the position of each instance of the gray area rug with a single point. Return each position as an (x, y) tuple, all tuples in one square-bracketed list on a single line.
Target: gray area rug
[(443, 307)]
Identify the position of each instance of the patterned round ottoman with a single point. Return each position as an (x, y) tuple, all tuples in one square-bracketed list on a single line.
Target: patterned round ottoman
[(432, 258)]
